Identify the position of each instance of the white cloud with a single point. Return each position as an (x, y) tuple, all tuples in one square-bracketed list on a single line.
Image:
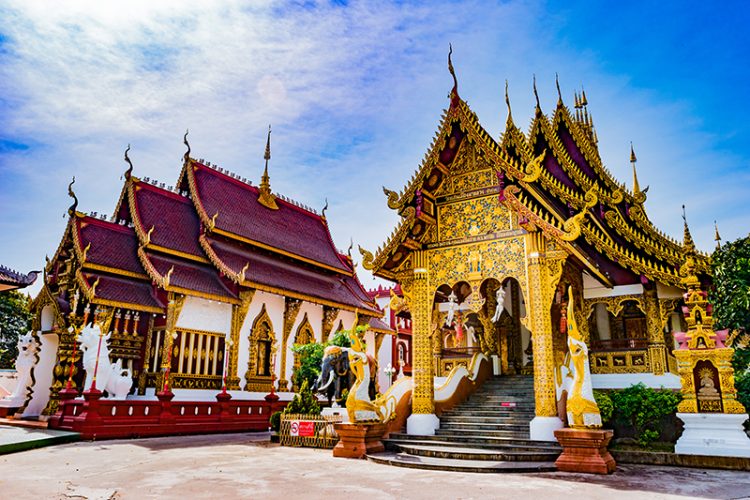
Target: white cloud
[(354, 95)]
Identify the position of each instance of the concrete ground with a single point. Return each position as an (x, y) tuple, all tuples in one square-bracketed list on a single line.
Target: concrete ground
[(247, 466)]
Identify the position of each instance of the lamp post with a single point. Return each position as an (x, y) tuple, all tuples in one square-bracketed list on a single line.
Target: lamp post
[(389, 371)]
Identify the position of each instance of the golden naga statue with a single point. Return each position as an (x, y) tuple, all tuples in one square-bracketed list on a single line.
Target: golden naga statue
[(574, 376), (359, 406)]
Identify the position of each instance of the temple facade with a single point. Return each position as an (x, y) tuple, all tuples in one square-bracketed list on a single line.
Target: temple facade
[(492, 233), (211, 281)]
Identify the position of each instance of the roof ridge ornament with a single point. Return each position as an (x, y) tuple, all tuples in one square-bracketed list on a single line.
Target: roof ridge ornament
[(72, 209), (266, 197), (507, 103), (717, 236), (454, 91), (186, 156), (536, 93), (129, 171), (559, 93), (633, 160), (687, 238), (323, 212)]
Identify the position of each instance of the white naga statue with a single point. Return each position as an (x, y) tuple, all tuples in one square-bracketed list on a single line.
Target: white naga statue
[(452, 308), (359, 406), (27, 351), (112, 378), (500, 300), (574, 376)]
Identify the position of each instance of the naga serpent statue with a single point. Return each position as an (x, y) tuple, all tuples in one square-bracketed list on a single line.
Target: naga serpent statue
[(574, 376), (359, 406)]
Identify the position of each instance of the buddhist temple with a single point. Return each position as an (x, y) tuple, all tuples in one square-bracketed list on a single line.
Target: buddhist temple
[(492, 232), (189, 274)]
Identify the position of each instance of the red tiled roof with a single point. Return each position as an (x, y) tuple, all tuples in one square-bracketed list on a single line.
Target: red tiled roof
[(265, 269), (123, 290), (379, 325), (176, 225), (190, 275), (112, 245), (290, 229)]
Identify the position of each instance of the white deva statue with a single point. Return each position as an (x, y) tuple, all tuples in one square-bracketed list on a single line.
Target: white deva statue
[(452, 308), (500, 299), (112, 378), (27, 350)]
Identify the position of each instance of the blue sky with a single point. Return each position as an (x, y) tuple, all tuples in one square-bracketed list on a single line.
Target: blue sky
[(354, 91)]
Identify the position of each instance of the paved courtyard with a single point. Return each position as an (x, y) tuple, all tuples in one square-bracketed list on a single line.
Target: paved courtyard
[(247, 466)]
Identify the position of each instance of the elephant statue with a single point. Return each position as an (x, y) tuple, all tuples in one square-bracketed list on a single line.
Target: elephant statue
[(336, 375)]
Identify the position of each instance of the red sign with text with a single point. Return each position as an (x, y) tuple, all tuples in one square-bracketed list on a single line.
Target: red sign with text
[(306, 428)]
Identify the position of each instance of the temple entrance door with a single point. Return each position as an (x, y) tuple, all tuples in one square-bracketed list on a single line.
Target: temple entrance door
[(510, 337)]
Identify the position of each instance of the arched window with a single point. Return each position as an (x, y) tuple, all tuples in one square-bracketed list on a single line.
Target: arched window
[(304, 335), (262, 350)]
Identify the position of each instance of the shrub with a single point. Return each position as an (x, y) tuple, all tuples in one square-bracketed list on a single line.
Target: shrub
[(644, 409), (606, 408), (275, 421), (304, 402)]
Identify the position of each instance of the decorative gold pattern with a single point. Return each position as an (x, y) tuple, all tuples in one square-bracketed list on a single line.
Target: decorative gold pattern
[(262, 331), (291, 310)]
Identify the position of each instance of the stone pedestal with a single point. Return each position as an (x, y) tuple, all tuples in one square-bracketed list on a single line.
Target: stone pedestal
[(585, 450), (356, 440), (422, 424), (713, 434)]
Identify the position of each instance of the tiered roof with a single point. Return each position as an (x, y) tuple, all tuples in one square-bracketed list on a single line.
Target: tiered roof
[(11, 280), (554, 177), (210, 237)]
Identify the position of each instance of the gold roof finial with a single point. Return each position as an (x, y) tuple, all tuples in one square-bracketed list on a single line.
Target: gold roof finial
[(129, 171), (536, 94), (717, 236), (266, 197), (507, 101), (72, 209), (186, 156), (633, 159), (559, 93), (584, 101), (687, 239), (454, 92)]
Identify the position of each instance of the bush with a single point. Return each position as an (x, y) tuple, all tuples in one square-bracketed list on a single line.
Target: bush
[(15, 320), (606, 408), (275, 421), (304, 402), (644, 409)]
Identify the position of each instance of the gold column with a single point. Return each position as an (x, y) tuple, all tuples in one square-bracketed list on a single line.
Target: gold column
[(421, 305), (544, 271), (657, 349), (174, 307), (239, 313)]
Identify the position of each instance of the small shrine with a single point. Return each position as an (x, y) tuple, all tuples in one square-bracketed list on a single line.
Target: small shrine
[(712, 414)]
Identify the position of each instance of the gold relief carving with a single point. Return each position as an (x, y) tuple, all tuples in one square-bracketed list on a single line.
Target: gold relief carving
[(633, 361), (544, 273), (329, 316), (615, 304), (421, 306), (174, 308), (497, 259), (291, 310), (472, 217), (474, 180), (666, 308), (239, 313)]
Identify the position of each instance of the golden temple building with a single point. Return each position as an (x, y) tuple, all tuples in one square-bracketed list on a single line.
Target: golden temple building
[(494, 230)]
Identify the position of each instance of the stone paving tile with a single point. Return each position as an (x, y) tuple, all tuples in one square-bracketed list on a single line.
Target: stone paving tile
[(247, 466)]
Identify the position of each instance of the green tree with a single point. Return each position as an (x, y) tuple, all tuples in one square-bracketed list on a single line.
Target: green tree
[(730, 297), (15, 320)]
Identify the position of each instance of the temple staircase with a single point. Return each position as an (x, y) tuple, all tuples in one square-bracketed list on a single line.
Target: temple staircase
[(489, 432)]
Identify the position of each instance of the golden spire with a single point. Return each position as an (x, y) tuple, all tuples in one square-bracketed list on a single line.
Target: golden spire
[(687, 239), (584, 101), (507, 103), (559, 93), (266, 197), (717, 236), (633, 159)]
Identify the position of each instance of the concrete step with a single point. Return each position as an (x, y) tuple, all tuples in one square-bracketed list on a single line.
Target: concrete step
[(472, 419), (463, 453), (446, 464), (504, 446), (483, 433), (479, 427)]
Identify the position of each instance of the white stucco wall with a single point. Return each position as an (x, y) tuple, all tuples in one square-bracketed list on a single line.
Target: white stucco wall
[(208, 315)]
